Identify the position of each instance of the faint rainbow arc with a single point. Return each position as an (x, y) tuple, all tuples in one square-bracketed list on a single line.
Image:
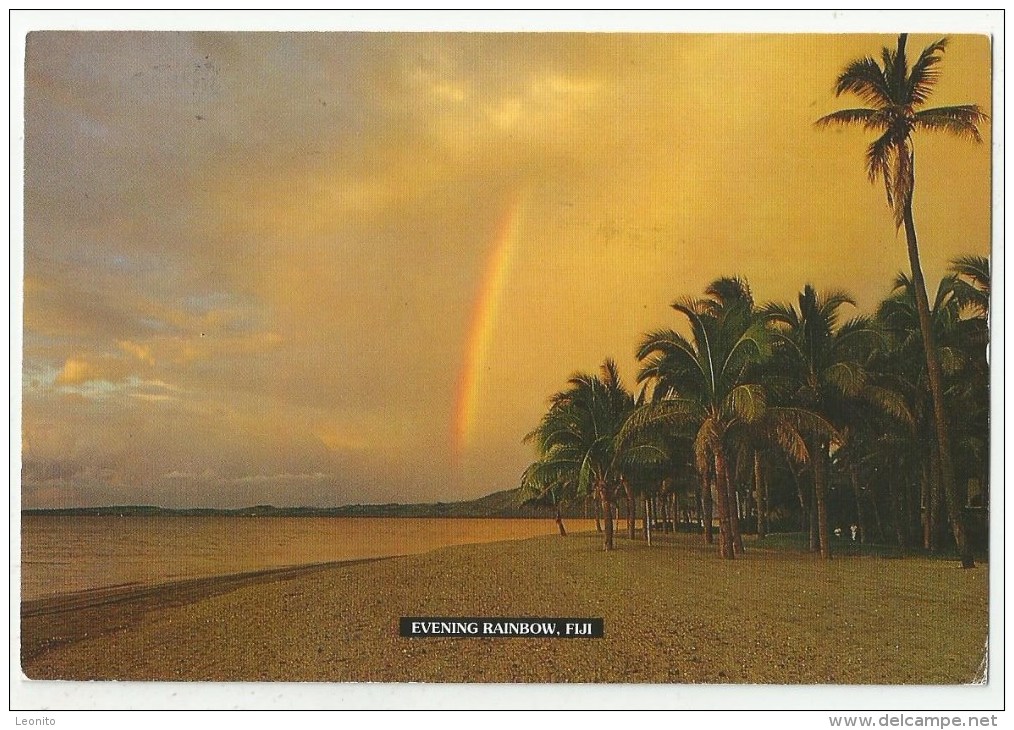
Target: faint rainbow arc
[(485, 310)]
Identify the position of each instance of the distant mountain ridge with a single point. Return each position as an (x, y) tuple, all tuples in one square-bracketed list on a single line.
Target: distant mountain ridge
[(504, 504)]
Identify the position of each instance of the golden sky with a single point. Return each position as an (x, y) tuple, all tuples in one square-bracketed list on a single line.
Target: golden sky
[(321, 268)]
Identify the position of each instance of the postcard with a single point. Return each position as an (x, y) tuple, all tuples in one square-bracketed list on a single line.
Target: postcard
[(469, 358)]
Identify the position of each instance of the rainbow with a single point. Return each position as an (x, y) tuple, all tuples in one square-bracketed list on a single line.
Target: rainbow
[(484, 319)]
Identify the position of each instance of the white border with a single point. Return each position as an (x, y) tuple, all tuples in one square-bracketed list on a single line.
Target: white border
[(30, 695)]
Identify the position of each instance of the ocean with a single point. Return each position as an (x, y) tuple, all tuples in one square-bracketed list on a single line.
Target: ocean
[(61, 555)]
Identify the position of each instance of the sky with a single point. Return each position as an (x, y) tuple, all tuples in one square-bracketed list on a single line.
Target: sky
[(330, 268)]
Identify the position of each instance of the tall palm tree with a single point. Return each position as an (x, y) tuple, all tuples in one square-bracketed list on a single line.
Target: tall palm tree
[(895, 94)]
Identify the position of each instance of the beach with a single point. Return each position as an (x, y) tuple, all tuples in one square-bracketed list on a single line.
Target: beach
[(673, 613)]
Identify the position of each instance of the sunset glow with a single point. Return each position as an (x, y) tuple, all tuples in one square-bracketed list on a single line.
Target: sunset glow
[(327, 268)]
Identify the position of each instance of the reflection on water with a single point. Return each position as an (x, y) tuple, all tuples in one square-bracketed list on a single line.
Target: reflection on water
[(65, 554)]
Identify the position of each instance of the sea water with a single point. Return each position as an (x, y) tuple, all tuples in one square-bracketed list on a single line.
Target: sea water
[(67, 554)]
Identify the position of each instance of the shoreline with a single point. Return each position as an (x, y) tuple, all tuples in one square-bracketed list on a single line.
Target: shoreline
[(673, 613), (189, 588), (135, 599)]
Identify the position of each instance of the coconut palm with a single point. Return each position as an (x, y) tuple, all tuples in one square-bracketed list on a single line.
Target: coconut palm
[(896, 94), (824, 359), (706, 384), (548, 481), (575, 440), (961, 345)]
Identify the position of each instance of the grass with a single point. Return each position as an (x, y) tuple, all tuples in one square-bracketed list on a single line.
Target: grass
[(844, 546)]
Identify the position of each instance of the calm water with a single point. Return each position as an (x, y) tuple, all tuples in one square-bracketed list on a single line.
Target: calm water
[(66, 554)]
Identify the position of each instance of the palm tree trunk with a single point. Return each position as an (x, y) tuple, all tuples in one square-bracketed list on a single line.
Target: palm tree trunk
[(900, 522), (737, 534), (912, 506), (725, 536), (631, 509), (762, 497), (607, 508), (925, 508), (936, 380), (937, 525), (559, 522), (598, 518), (647, 519), (881, 534), (819, 460), (811, 517), (707, 518), (606, 503), (860, 511)]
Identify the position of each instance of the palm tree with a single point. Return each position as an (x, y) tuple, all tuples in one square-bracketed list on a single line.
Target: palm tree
[(824, 360), (548, 481), (702, 384), (971, 288), (896, 94), (961, 345), (575, 440)]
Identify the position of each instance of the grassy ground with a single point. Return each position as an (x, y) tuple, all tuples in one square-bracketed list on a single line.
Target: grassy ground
[(674, 612)]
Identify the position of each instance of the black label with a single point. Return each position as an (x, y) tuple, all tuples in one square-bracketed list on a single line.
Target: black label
[(419, 627)]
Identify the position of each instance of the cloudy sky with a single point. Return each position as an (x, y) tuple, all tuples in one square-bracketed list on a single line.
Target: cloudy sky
[(329, 268)]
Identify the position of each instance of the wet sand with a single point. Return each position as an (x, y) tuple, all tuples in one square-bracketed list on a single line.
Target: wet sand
[(674, 613)]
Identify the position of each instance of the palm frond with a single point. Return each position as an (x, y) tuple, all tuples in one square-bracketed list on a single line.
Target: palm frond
[(864, 78), (971, 297), (848, 378), (675, 354), (961, 120), (952, 360), (829, 303), (780, 312), (746, 402), (975, 268), (708, 438), (901, 281), (924, 73), (804, 421), (585, 475), (867, 118), (753, 346), (677, 413), (878, 162), (791, 442), (611, 374), (730, 290), (889, 402), (691, 309)]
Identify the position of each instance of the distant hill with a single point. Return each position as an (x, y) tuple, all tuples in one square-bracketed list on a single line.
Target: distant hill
[(507, 503)]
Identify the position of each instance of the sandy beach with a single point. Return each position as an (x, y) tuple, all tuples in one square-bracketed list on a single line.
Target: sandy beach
[(674, 613)]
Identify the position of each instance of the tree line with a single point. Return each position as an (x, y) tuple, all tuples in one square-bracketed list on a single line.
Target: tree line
[(756, 415)]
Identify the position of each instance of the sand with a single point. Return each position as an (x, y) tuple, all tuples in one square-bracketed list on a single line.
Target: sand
[(674, 613)]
